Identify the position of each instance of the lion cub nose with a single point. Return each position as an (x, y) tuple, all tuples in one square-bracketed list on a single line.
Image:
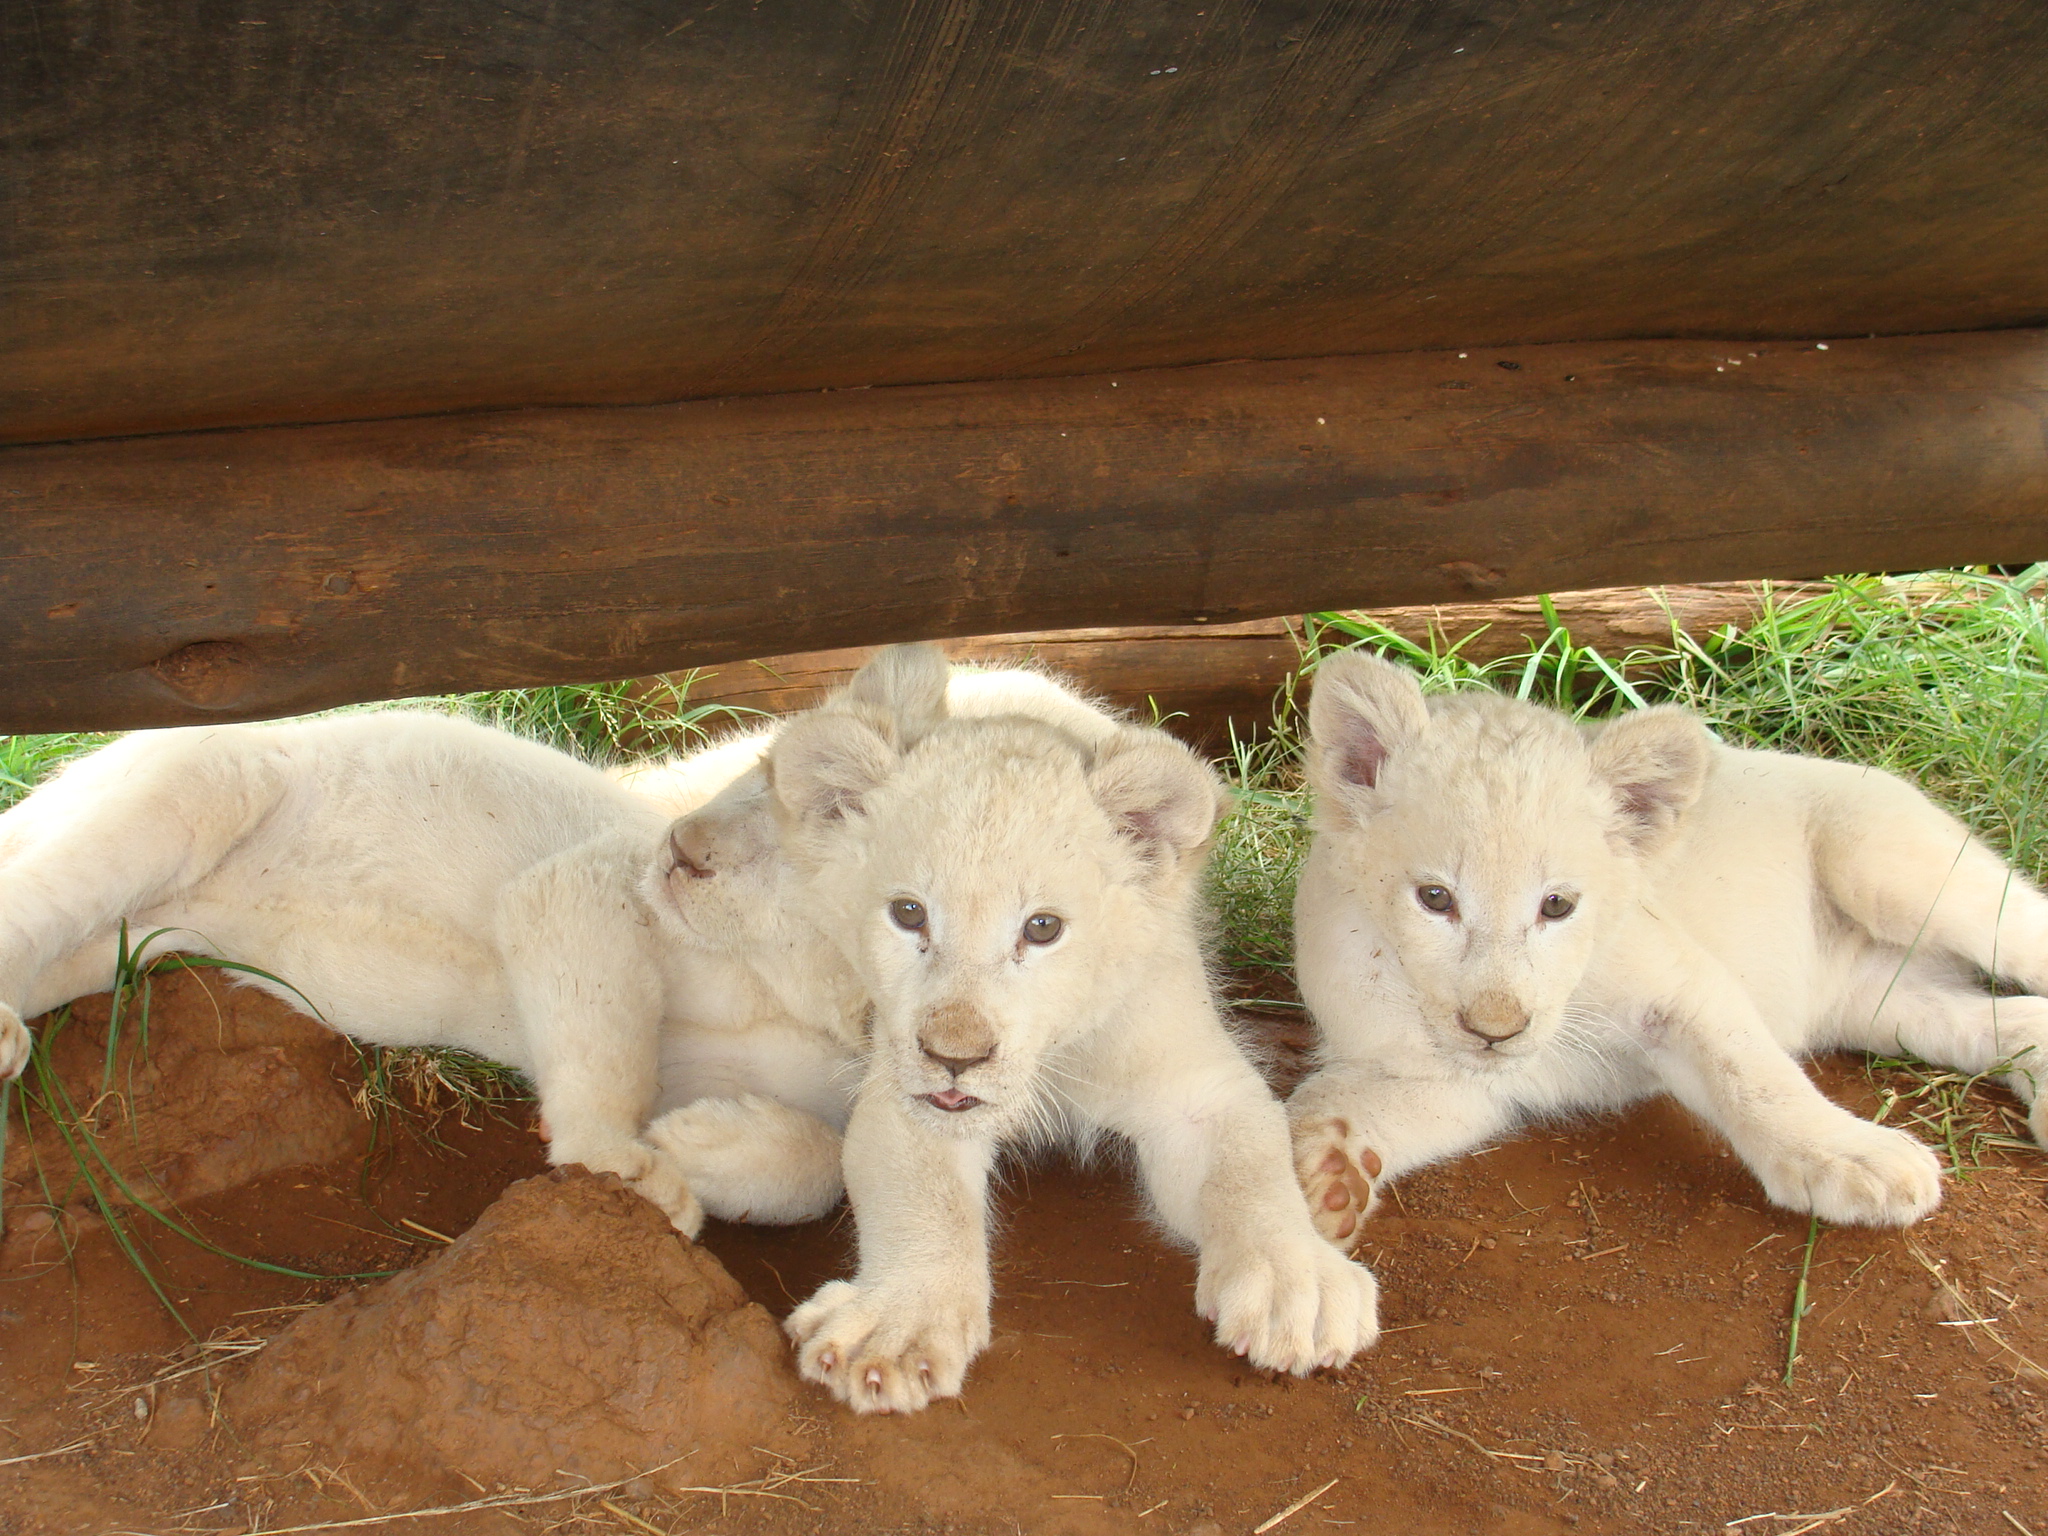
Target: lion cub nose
[(689, 844), (1494, 1019), (956, 1064), (957, 1037)]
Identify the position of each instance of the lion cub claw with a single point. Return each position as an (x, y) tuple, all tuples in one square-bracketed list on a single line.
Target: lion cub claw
[(1337, 1182), (14, 1044), (882, 1351)]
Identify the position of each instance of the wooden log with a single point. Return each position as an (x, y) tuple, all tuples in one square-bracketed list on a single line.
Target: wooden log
[(327, 210), (1208, 677), (234, 575)]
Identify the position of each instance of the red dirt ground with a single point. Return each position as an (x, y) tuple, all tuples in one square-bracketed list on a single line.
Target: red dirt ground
[(1586, 1331)]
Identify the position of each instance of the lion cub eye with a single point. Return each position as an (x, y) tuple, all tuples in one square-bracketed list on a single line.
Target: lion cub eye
[(1042, 928), (906, 913), (1556, 906), (1435, 897)]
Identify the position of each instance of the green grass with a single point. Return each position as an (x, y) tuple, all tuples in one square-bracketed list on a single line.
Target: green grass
[(602, 723), (25, 761)]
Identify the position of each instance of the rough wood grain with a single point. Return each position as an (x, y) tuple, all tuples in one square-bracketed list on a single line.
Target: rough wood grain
[(293, 210), (1206, 676), (240, 574)]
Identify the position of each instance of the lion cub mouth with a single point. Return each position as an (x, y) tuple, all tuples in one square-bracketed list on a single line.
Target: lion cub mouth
[(952, 1100)]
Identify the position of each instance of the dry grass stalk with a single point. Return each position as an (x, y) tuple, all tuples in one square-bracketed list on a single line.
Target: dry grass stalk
[(1976, 1322), (1293, 1509)]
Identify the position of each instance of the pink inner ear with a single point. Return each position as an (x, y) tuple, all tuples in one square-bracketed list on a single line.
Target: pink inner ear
[(1143, 828), (1362, 758), (1640, 803)]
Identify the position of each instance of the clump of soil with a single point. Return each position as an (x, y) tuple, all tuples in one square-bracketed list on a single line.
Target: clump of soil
[(209, 1086), (569, 1332)]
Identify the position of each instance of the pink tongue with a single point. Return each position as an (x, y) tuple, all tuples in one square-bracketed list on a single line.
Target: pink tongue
[(953, 1098)]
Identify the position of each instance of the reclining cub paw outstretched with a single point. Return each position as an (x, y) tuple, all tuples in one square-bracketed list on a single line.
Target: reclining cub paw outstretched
[(1505, 915)]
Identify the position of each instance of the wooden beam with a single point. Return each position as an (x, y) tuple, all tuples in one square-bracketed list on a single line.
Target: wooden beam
[(358, 211), (240, 574), (1206, 677)]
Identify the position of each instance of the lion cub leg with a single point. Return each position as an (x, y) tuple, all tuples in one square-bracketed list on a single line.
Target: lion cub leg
[(905, 1328), (1915, 878), (1355, 1127), (1948, 1021), (131, 827), (1213, 1148), (1718, 1058), (587, 986), (750, 1158)]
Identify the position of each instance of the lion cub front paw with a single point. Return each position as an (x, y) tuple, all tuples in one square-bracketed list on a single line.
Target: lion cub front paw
[(1336, 1181), (1289, 1304), (887, 1349), (15, 1043), (1857, 1174), (653, 1174)]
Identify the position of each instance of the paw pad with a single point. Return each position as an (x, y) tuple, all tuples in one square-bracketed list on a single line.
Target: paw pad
[(1341, 1193)]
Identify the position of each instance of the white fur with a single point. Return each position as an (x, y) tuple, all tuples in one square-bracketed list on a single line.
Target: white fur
[(1734, 911), (984, 822), (421, 880)]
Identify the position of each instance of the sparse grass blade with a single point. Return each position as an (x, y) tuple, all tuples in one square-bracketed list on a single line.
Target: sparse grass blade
[(603, 723)]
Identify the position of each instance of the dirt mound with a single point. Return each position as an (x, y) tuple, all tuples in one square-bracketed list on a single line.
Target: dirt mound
[(209, 1086), (570, 1331)]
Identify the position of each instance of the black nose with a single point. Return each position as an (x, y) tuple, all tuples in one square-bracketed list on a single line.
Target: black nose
[(1493, 1030), (955, 1064)]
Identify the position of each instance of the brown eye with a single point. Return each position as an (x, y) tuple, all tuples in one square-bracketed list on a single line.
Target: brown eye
[(906, 913), (1556, 906), (1042, 928), (1435, 897)]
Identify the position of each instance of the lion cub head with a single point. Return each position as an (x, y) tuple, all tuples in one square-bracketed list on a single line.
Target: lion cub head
[(719, 881), (1487, 843), (997, 880)]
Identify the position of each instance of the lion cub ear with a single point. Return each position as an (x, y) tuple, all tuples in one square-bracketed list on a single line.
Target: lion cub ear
[(822, 767), (901, 693), (1655, 762), (1160, 796), (1363, 712)]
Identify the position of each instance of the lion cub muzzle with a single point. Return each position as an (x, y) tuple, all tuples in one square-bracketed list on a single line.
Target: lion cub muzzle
[(1493, 1017), (958, 1037)]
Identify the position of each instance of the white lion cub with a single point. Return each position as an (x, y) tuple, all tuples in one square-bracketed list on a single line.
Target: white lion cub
[(1504, 915), (1019, 900), (421, 880)]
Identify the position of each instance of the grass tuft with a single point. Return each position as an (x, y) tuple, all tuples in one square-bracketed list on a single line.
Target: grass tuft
[(602, 723)]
